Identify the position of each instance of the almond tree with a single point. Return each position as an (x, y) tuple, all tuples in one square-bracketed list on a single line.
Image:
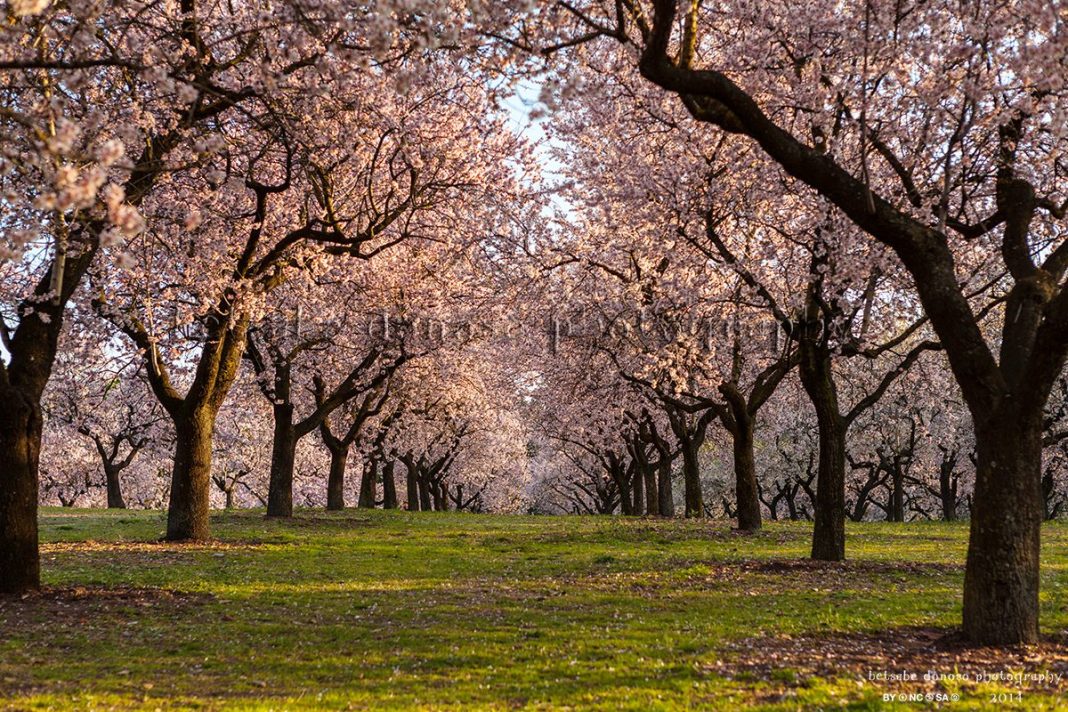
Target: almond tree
[(950, 151)]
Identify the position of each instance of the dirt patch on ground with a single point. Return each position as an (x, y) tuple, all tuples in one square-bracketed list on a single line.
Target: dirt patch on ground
[(898, 661), (809, 567), (66, 604)]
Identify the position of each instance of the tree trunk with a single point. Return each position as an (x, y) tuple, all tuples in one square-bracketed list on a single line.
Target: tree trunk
[(748, 498), (691, 475), (368, 488), (187, 515), (389, 487), (897, 498), (817, 377), (947, 489), (20, 449), (111, 479), (283, 456), (1002, 572), (638, 493), (335, 483), (652, 495), (424, 496), (413, 492), (666, 496)]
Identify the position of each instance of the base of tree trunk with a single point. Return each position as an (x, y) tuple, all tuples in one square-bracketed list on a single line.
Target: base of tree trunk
[(1001, 579)]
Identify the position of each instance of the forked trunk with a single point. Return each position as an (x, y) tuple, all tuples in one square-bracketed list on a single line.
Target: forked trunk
[(283, 456), (187, 515), (1002, 572), (20, 447), (335, 483)]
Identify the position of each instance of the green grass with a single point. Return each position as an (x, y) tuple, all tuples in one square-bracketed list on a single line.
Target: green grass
[(361, 610)]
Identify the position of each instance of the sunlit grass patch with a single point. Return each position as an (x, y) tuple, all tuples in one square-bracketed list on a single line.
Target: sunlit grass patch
[(397, 610)]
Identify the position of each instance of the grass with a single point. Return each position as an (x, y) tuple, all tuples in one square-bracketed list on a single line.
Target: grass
[(360, 610)]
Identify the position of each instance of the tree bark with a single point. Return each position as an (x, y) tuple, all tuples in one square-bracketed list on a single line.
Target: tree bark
[(425, 504), (20, 449), (666, 494), (283, 457), (187, 515), (652, 494), (817, 378), (111, 479), (1001, 577), (413, 491), (368, 486), (748, 498), (335, 484), (691, 475), (638, 493), (389, 486)]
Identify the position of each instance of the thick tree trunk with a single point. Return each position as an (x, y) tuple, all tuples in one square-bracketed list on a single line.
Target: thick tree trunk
[(20, 449), (389, 487), (691, 475), (111, 479), (368, 486), (413, 491), (187, 515), (748, 498), (666, 495), (1002, 572), (283, 457), (335, 483), (817, 377)]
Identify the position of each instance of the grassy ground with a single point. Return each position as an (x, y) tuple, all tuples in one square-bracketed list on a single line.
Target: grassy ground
[(390, 610)]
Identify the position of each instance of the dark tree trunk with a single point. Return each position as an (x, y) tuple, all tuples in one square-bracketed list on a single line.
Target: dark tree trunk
[(947, 487), (691, 475), (748, 498), (424, 496), (283, 456), (638, 492), (817, 377), (335, 483), (368, 486), (187, 515), (1002, 572), (441, 502), (897, 494), (20, 449), (111, 479), (413, 491), (389, 486), (652, 494), (666, 494)]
